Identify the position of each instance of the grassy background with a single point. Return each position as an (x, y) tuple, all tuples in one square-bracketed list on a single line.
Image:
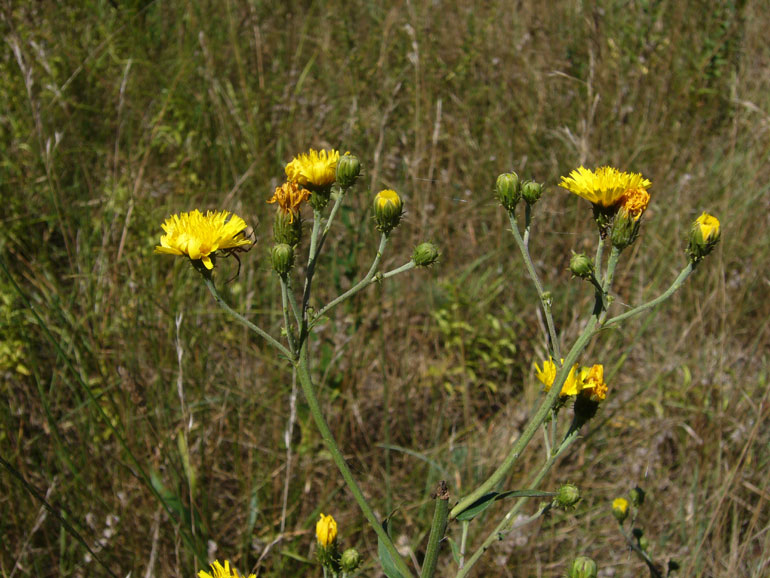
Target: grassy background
[(115, 114)]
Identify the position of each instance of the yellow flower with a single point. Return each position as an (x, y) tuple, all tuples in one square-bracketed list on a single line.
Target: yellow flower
[(606, 187), (223, 572), (289, 197), (708, 226), (198, 236), (326, 530), (593, 382), (547, 375), (316, 168)]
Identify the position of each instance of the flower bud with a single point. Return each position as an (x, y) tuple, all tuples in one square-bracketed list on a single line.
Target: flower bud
[(326, 530), (625, 229), (350, 560), (620, 509), (348, 169), (644, 543), (531, 192), (581, 265), (387, 210), (637, 496), (425, 254), (567, 496), (508, 190), (704, 236), (282, 257), (582, 567), (287, 228)]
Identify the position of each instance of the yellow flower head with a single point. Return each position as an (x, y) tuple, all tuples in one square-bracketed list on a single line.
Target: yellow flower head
[(547, 375), (223, 572), (326, 530), (606, 187), (289, 197), (198, 236), (593, 382), (316, 168), (709, 227)]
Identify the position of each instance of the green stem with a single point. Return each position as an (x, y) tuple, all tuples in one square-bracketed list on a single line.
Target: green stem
[(366, 281), (678, 282), (285, 305), (332, 213), (506, 523), (259, 331), (545, 302), (293, 302), (534, 424), (311, 261), (437, 529), (599, 257), (323, 427)]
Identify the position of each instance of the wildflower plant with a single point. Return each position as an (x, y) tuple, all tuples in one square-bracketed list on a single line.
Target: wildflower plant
[(323, 179)]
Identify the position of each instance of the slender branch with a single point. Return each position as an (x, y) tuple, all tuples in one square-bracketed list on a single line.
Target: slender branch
[(259, 331), (293, 302), (337, 203), (285, 306), (311, 261), (678, 282), (545, 302), (323, 427), (366, 281)]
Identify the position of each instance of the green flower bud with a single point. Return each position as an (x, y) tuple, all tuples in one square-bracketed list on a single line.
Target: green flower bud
[(637, 496), (387, 210), (425, 254), (282, 257), (581, 266), (625, 229), (508, 190), (582, 567), (620, 509), (567, 497), (704, 236), (531, 191), (348, 169), (350, 560), (644, 543), (287, 228)]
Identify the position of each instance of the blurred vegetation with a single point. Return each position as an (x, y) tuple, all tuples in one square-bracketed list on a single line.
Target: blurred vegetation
[(120, 378)]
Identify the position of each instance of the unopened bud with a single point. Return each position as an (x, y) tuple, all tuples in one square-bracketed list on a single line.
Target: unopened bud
[(567, 496), (582, 567), (637, 496), (581, 266), (620, 509), (350, 560), (348, 169), (387, 210), (531, 192), (704, 236), (508, 190), (425, 254), (282, 257)]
